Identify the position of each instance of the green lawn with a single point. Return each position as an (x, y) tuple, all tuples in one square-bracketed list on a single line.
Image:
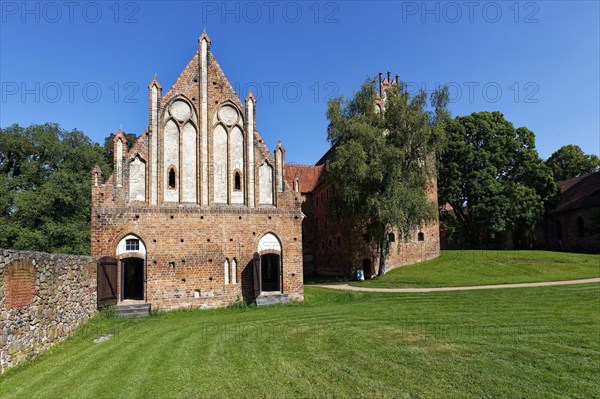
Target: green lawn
[(466, 268), (527, 342)]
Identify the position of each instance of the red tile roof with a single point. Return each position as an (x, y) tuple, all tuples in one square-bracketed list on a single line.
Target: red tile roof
[(579, 192), (309, 176)]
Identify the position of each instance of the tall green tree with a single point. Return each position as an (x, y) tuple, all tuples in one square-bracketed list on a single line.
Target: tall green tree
[(570, 161), (492, 176), (45, 188), (380, 168), (109, 146)]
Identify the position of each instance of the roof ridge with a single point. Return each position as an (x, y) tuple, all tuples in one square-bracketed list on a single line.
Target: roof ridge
[(576, 178), (302, 165)]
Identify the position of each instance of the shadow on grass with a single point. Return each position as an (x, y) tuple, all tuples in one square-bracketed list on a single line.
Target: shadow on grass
[(313, 279)]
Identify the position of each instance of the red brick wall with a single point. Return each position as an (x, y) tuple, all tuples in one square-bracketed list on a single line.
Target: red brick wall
[(332, 241), (340, 249), (308, 235), (186, 249), (19, 284), (589, 242)]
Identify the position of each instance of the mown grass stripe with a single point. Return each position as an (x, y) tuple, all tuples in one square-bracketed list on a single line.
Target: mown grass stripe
[(537, 342)]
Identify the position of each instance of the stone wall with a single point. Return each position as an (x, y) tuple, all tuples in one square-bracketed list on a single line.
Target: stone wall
[(43, 299)]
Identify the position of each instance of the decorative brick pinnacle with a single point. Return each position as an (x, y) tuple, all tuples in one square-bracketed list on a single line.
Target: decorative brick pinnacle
[(204, 36)]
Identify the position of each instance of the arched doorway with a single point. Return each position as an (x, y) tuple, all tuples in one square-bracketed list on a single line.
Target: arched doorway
[(366, 264), (270, 265), (132, 252), (270, 272), (132, 279)]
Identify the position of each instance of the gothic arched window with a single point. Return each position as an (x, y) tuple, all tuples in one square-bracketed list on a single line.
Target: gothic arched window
[(237, 181), (172, 178)]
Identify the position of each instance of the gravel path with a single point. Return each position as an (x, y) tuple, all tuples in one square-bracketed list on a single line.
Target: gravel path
[(439, 289)]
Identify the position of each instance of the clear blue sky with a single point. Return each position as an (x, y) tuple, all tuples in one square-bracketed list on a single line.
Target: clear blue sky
[(537, 61)]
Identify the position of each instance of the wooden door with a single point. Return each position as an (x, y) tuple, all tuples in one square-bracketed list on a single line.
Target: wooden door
[(107, 281), (257, 275)]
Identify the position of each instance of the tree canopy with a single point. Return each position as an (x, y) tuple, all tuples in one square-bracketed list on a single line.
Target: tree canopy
[(380, 166), (492, 176), (45, 183), (570, 161), (109, 146)]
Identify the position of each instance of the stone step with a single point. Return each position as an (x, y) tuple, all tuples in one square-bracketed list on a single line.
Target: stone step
[(129, 310), (266, 300), (132, 314), (130, 306)]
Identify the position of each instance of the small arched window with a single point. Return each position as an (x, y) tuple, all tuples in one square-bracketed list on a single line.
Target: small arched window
[(131, 243), (391, 237), (580, 227), (421, 236), (559, 232), (237, 181), (172, 180)]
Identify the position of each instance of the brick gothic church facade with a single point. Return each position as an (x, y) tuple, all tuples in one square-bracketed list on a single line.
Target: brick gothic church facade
[(199, 213)]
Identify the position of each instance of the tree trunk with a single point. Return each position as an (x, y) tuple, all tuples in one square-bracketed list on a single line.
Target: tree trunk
[(382, 256)]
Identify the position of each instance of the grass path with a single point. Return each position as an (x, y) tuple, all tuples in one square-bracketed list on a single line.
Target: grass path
[(528, 342), (473, 268)]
